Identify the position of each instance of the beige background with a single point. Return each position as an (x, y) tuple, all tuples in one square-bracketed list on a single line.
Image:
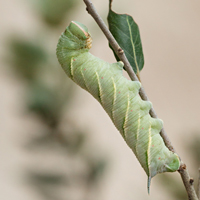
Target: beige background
[(170, 32)]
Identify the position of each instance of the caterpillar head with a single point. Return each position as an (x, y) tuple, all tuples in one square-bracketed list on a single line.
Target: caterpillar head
[(76, 36)]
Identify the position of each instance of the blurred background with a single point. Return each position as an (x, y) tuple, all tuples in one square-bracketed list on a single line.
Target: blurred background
[(54, 148)]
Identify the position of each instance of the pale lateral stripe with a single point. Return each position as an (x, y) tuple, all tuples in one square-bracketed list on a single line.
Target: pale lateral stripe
[(100, 89), (148, 151), (126, 116), (84, 80), (137, 134), (71, 68), (114, 99)]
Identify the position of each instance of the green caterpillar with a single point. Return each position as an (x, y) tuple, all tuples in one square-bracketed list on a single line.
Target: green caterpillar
[(120, 99)]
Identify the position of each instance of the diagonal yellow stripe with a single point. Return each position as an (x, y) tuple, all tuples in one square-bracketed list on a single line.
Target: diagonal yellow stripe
[(137, 134), (148, 150), (71, 68), (126, 116), (84, 81), (114, 99), (100, 89)]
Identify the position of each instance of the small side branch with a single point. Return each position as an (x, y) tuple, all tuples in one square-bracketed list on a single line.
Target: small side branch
[(188, 182)]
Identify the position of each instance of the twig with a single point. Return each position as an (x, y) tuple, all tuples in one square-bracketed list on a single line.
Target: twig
[(198, 186), (92, 11), (182, 170)]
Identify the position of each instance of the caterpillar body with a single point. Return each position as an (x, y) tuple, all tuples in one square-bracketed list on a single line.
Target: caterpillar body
[(120, 99)]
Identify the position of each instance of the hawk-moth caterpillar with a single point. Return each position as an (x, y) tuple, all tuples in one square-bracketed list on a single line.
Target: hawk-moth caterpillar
[(119, 97)]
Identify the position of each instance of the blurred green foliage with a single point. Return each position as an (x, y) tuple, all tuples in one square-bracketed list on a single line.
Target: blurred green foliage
[(47, 103), (53, 12), (48, 96), (26, 57)]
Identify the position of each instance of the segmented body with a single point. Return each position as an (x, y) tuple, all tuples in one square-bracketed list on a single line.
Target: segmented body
[(119, 98)]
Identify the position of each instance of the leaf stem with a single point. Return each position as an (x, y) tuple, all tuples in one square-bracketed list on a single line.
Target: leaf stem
[(182, 170)]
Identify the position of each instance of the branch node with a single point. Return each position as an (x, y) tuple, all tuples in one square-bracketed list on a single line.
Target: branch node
[(182, 167), (191, 181), (120, 51)]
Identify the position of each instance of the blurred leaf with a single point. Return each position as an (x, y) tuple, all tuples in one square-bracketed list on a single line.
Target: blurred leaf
[(72, 141), (45, 140), (47, 96), (45, 102), (47, 183), (53, 11), (26, 57), (47, 178), (126, 33), (96, 170)]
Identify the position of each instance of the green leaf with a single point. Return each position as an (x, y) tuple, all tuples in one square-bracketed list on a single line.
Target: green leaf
[(126, 33)]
